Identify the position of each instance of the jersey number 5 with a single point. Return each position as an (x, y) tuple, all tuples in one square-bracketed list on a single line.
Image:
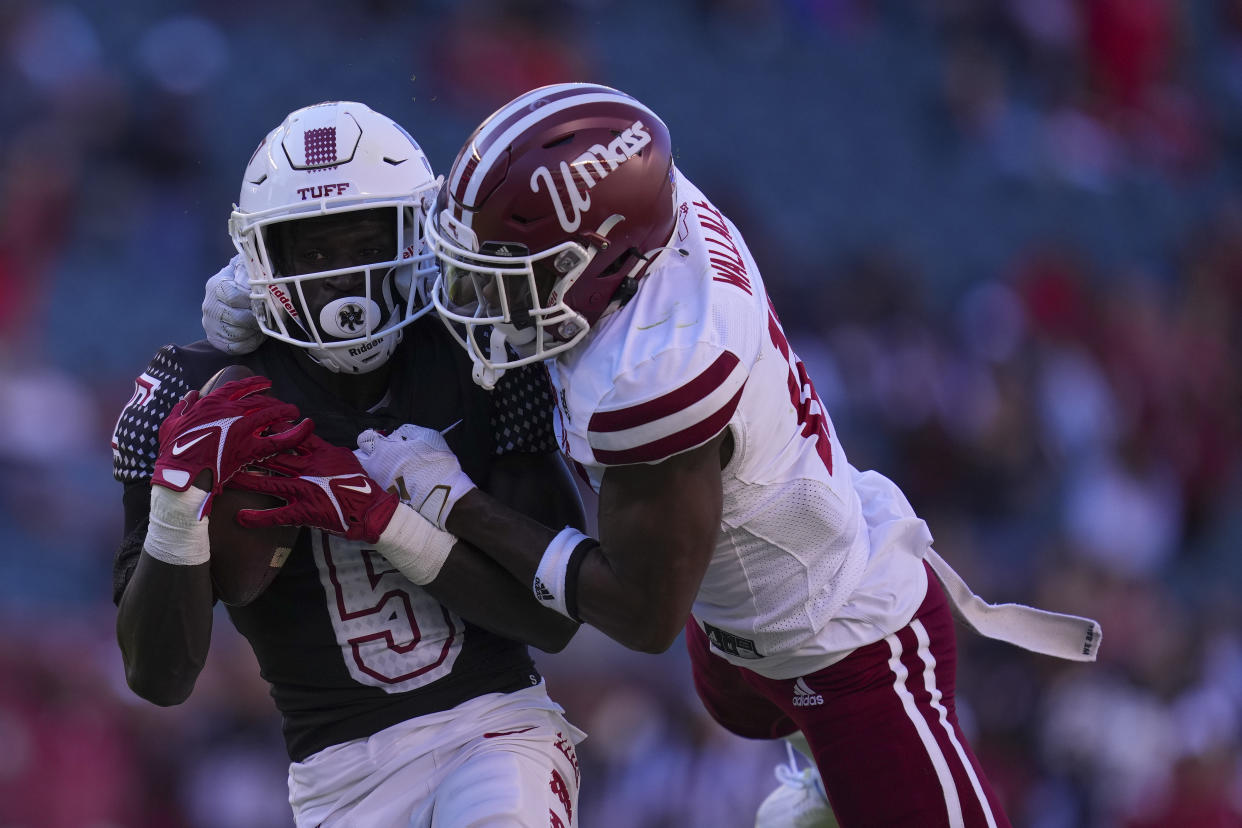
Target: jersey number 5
[(392, 634)]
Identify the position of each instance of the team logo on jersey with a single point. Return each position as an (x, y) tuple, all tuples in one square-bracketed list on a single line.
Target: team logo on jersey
[(683, 229), (591, 168), (145, 387), (804, 696)]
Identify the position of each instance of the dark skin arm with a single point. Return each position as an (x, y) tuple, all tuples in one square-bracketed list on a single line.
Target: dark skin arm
[(478, 588), (163, 622), (164, 616), (658, 526)]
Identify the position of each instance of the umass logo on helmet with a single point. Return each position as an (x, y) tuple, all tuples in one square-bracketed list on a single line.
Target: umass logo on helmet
[(593, 166)]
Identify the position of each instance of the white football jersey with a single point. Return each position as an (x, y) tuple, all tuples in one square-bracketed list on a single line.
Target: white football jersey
[(813, 558)]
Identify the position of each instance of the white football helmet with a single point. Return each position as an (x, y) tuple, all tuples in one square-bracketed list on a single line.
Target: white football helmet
[(333, 158)]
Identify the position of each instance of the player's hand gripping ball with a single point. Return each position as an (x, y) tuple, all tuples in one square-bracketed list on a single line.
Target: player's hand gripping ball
[(244, 560)]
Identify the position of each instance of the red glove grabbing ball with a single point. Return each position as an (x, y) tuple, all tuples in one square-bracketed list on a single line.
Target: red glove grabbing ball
[(233, 426), (325, 486)]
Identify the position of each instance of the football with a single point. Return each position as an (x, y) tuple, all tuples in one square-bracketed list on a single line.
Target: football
[(244, 561)]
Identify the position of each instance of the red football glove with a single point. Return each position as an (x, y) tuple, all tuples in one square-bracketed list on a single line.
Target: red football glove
[(229, 428), (325, 486)]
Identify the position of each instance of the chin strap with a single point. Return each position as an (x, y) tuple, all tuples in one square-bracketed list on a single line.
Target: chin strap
[(485, 375)]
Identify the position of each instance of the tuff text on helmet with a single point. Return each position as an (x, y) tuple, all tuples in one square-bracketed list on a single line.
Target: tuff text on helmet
[(592, 166), (284, 300), (323, 190)]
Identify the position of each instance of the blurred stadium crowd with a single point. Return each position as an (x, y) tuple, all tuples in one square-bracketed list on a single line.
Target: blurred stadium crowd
[(1006, 236)]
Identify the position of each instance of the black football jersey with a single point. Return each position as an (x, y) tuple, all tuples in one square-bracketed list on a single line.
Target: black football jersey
[(347, 643)]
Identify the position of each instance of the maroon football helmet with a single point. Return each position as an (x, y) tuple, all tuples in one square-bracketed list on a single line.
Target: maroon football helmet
[(551, 214)]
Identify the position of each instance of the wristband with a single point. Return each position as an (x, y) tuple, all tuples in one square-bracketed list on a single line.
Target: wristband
[(571, 576), (414, 545), (556, 579), (176, 533)]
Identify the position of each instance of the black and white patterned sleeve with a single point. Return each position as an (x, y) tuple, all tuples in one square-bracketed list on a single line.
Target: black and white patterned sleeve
[(135, 441), (522, 406), (135, 444)]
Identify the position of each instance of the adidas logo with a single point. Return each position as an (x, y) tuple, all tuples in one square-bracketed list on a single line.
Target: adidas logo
[(804, 696), (544, 594)]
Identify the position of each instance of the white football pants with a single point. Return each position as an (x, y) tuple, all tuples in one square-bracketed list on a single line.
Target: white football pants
[(503, 759)]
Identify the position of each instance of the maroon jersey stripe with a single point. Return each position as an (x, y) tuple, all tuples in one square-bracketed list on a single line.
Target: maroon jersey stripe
[(683, 440), (676, 400)]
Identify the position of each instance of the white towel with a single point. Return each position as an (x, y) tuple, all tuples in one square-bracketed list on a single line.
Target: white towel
[(1051, 633)]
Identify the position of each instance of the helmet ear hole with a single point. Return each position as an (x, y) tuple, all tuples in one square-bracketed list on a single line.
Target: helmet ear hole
[(619, 262)]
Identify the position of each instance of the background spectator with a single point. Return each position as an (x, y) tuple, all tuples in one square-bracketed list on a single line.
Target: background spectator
[(1014, 237)]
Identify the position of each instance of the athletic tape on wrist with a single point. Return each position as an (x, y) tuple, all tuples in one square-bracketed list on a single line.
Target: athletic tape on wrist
[(176, 535), (553, 581), (414, 545)]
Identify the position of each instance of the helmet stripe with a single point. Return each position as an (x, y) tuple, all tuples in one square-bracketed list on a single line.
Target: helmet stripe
[(497, 122), (493, 140)]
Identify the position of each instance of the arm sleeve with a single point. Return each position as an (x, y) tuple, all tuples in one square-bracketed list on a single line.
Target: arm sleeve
[(135, 444), (137, 509), (135, 441)]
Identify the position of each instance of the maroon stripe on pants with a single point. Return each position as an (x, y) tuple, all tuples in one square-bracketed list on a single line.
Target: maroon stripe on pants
[(937, 708), (874, 762)]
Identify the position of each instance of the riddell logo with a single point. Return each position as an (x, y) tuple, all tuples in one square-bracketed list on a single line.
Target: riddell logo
[(364, 347), (621, 149), (283, 299), (804, 696)]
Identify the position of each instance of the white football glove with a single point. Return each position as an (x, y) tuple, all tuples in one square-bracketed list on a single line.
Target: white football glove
[(419, 464), (227, 318)]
